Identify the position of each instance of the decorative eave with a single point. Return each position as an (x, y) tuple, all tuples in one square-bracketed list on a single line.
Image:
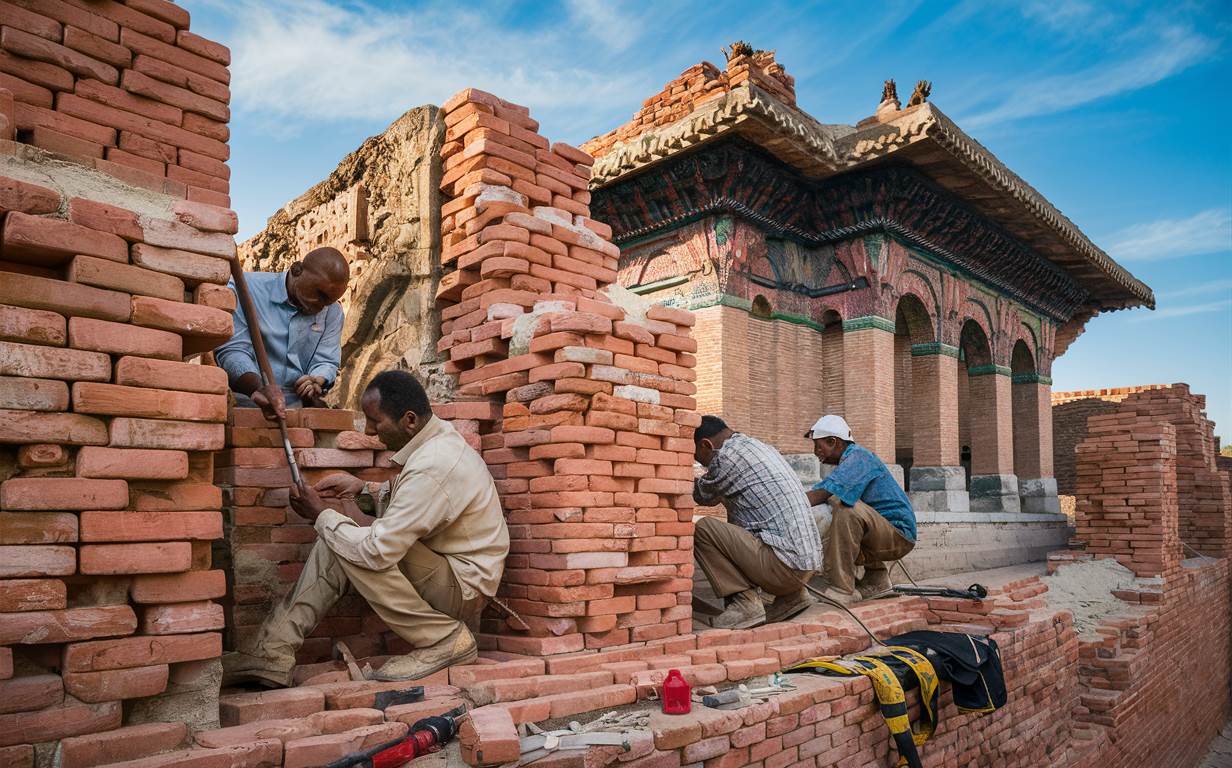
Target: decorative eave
[(920, 135), (788, 133), (925, 124)]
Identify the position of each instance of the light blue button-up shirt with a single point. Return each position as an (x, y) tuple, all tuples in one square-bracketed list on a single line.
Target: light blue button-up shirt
[(297, 344), (861, 476)]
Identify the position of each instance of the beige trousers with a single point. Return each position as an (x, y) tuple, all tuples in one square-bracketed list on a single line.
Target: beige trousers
[(735, 560), (859, 536), (421, 600)]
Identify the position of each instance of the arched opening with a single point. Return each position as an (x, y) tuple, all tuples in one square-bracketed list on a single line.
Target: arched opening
[(833, 382), (911, 326), (1026, 412), (976, 402), (761, 308)]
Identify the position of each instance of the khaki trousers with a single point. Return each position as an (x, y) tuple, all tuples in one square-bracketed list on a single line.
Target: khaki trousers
[(421, 600), (735, 560), (859, 536)]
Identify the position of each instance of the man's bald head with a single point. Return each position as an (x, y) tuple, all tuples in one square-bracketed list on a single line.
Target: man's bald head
[(319, 280)]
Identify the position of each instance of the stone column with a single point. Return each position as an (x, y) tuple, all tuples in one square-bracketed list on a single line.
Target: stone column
[(938, 483), (994, 487), (1032, 406), (868, 383)]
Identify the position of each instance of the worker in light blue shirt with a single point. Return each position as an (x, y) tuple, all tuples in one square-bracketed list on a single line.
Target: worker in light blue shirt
[(301, 325), (872, 524)]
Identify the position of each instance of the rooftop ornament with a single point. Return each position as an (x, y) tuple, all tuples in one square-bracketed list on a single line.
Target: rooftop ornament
[(920, 94), (737, 49)]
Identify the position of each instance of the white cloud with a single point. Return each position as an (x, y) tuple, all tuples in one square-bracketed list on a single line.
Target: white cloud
[(1161, 51), (316, 60), (1200, 289), (606, 22), (1208, 231), (1186, 310)]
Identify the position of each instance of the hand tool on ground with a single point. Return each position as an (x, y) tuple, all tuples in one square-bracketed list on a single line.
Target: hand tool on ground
[(343, 654), (386, 699), (258, 348), (427, 735), (973, 592)]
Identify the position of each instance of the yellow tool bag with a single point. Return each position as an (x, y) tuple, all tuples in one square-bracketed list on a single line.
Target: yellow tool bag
[(891, 670)]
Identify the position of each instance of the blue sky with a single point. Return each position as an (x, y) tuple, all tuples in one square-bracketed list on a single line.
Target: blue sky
[(1117, 112)]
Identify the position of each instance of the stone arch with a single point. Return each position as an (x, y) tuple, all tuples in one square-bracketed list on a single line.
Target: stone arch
[(977, 312), (915, 283), (975, 410), (761, 308), (1031, 411)]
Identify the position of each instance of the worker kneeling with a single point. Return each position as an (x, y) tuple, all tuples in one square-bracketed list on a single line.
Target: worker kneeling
[(873, 523), (426, 564), (770, 539)]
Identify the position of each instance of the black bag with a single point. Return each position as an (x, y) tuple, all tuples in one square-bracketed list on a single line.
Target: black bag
[(970, 663)]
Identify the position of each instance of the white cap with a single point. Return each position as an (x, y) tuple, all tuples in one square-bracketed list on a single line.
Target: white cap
[(830, 426)]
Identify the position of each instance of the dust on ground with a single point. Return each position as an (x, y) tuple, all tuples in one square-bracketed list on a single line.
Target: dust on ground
[(1085, 590)]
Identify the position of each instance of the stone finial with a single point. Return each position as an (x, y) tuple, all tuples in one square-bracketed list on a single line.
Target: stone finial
[(889, 93), (737, 49), (920, 94)]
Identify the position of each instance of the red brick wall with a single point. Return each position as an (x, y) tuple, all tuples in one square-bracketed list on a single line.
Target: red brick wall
[(124, 88), (591, 446)]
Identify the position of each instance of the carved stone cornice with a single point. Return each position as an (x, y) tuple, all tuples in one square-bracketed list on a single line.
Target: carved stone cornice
[(743, 104), (733, 176)]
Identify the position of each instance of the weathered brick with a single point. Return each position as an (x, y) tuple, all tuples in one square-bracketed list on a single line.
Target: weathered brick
[(118, 400), (23, 427), (32, 595), (240, 708), (67, 625), (181, 618), (62, 493), (63, 297), (124, 653), (101, 273), (38, 528), (35, 361), (51, 242), (112, 559), (132, 463), (179, 587), (33, 394), (25, 561), (192, 268), (121, 744), (177, 316), (320, 750), (130, 526), (17, 195), (488, 736), (123, 339), (33, 326), (58, 723), (23, 694)]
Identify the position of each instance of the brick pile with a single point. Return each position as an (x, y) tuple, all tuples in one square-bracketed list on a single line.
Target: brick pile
[(107, 507), (697, 84), (583, 408), (1070, 411), (267, 543), (123, 87)]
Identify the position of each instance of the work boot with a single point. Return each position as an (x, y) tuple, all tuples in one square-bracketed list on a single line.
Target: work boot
[(786, 606), (744, 610), (458, 647), (874, 582), (239, 667), (841, 597)]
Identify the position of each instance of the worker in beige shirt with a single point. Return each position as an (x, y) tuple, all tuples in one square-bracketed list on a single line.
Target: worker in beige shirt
[(426, 564)]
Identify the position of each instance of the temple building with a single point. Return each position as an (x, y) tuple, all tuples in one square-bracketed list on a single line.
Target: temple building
[(894, 272)]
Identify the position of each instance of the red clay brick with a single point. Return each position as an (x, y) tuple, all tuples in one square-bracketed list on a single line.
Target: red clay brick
[(34, 326), (116, 400), (192, 268), (178, 588), (35, 361), (123, 339), (241, 708), (132, 463), (58, 723), (62, 493), (23, 694), (128, 743), (32, 595), (176, 435), (101, 273), (51, 242), (112, 559), (320, 750), (65, 298), (32, 394), (181, 618), (124, 653), (38, 528)]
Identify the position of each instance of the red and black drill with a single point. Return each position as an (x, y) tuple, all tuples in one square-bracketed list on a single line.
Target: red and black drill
[(427, 735)]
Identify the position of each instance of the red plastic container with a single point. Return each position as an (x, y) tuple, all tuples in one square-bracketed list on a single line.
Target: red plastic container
[(677, 695)]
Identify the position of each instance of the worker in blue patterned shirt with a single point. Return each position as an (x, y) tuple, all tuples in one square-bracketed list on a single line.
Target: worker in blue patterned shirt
[(301, 325), (769, 540), (873, 523)]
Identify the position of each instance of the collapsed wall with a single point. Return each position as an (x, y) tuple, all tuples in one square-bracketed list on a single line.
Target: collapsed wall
[(1070, 411), (114, 254)]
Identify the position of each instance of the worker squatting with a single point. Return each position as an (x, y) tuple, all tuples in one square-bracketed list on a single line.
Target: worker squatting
[(434, 552)]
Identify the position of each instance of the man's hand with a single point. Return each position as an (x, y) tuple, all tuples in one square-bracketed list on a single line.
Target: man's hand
[(269, 399), (340, 485), (306, 502), (310, 387)]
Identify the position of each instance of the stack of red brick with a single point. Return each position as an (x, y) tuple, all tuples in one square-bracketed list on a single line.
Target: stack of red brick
[(124, 87), (267, 543), (583, 410), (107, 507), (696, 85)]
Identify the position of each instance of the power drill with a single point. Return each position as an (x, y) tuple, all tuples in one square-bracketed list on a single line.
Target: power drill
[(427, 735)]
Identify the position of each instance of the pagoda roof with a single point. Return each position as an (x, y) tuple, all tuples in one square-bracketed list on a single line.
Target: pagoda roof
[(921, 136)]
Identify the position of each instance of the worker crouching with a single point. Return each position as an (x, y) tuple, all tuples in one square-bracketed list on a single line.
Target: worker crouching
[(770, 539), (426, 563), (873, 523)]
